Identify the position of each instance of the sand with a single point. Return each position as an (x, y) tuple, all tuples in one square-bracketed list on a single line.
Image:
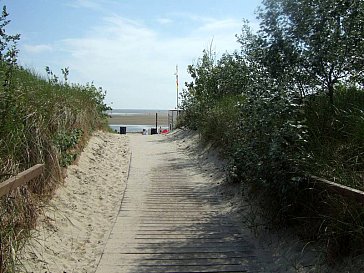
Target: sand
[(70, 236), (146, 119), (278, 250)]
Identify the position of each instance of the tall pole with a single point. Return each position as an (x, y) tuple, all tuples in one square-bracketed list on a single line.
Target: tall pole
[(156, 121), (177, 86)]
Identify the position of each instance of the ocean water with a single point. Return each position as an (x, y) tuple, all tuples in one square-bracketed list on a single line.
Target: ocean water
[(135, 112), (135, 128)]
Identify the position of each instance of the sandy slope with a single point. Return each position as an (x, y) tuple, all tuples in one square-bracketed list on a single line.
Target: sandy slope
[(71, 235)]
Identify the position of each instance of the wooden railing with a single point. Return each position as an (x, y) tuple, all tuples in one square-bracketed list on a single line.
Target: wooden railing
[(33, 172), (20, 179), (342, 190)]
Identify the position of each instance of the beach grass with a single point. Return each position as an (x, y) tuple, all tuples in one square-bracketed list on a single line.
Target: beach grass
[(42, 120)]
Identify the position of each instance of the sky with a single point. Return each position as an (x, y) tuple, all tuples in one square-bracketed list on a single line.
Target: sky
[(130, 48)]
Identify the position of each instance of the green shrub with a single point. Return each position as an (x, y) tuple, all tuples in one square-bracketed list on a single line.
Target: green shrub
[(269, 153), (220, 125), (66, 144)]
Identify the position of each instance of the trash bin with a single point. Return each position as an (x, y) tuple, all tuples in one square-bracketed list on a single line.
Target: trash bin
[(122, 130), (153, 131)]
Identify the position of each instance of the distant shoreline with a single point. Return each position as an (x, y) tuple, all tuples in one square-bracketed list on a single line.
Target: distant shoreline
[(139, 119), (137, 111)]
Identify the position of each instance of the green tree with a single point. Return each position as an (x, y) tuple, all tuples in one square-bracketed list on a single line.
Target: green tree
[(232, 74), (8, 59), (214, 83), (8, 50), (201, 92), (318, 44)]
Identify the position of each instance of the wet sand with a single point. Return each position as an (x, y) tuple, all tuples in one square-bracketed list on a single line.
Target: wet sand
[(146, 119)]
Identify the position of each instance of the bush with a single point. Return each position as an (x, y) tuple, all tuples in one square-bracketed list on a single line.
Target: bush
[(220, 125), (269, 152)]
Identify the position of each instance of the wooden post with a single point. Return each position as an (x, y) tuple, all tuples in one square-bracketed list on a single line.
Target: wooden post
[(20, 179), (156, 121), (172, 121)]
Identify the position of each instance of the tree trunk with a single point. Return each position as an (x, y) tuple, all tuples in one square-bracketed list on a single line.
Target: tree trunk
[(331, 92)]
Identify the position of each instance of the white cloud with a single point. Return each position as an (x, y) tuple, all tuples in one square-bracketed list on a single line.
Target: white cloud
[(89, 4), (164, 21), (99, 6), (136, 64), (37, 49), (220, 25), (192, 17)]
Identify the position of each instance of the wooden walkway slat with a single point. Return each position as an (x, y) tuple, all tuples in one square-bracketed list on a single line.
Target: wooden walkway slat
[(170, 221)]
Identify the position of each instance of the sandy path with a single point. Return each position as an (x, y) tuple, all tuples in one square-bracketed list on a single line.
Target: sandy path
[(171, 220), (71, 235)]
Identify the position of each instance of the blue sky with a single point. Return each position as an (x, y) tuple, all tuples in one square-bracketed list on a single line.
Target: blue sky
[(128, 47)]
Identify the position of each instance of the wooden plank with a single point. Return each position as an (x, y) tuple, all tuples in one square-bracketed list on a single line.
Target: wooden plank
[(173, 222), (142, 261), (20, 179), (173, 268), (341, 189)]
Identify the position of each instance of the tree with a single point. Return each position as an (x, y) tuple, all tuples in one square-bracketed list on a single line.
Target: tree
[(8, 59), (7, 42), (232, 74), (8, 50), (318, 44)]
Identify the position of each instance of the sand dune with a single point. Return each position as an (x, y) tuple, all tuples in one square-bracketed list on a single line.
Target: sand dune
[(70, 236)]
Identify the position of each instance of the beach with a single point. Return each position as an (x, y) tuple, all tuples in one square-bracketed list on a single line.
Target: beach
[(139, 118), (136, 121)]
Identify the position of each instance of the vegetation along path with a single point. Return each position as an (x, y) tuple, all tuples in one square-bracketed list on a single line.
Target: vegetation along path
[(171, 220)]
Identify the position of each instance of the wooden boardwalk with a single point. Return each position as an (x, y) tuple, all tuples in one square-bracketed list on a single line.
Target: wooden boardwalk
[(170, 220)]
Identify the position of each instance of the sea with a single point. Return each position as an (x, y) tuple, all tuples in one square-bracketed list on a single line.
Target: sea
[(135, 112), (135, 128)]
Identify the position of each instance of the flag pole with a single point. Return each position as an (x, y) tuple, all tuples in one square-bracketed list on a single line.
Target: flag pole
[(177, 86)]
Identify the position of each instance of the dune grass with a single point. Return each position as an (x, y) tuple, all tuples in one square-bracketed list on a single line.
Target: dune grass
[(42, 121)]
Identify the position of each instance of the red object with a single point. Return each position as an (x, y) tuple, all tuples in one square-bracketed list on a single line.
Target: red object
[(165, 131)]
